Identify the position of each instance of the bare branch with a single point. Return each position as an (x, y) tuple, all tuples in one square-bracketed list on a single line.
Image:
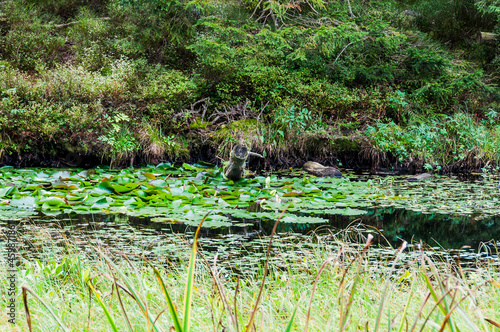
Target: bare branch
[(65, 25)]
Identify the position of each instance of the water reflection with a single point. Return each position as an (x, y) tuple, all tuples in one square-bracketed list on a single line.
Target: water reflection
[(443, 236)]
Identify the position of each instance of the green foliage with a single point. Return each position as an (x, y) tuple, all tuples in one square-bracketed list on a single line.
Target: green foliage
[(426, 63), (450, 21), (45, 126), (174, 89), (26, 40), (177, 17), (281, 12), (290, 123), (442, 141), (120, 143), (383, 135), (348, 64)]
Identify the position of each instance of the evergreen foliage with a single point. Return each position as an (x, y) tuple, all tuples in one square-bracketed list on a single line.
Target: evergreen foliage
[(349, 64)]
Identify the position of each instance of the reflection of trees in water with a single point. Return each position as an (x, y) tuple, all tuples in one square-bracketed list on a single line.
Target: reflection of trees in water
[(449, 231)]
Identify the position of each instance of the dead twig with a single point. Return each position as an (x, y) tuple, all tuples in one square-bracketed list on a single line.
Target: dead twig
[(65, 25)]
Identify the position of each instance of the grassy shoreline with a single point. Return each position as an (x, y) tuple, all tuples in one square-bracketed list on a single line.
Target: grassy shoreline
[(447, 144), (343, 283)]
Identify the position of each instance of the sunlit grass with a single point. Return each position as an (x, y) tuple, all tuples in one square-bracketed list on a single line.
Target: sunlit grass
[(342, 289)]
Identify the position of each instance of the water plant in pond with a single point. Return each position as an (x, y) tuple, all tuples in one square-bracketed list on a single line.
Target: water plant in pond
[(181, 194)]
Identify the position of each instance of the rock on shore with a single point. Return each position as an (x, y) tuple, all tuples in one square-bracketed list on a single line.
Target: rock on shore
[(317, 169)]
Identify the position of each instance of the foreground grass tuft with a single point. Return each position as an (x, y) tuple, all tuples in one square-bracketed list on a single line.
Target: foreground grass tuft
[(318, 290)]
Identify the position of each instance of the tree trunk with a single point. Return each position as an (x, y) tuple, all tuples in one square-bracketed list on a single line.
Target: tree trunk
[(236, 168), (486, 37)]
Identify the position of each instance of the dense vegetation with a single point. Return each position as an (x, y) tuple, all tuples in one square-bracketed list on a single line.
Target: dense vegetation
[(317, 283), (388, 82)]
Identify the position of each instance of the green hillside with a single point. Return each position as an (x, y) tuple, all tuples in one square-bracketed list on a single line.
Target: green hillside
[(366, 83)]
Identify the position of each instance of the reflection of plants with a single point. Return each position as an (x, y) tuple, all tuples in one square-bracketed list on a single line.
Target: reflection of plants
[(120, 141)]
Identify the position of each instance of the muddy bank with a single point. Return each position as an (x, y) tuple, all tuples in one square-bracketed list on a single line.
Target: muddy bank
[(359, 161)]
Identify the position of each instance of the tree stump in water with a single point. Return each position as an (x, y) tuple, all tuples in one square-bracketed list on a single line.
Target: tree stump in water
[(236, 168), (419, 177), (319, 170)]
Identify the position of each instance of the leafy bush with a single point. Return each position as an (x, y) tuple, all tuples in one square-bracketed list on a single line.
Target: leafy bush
[(173, 87), (27, 40), (76, 83), (445, 140), (119, 142), (46, 126), (426, 63)]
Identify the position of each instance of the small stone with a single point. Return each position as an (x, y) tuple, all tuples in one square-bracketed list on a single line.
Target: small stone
[(419, 177)]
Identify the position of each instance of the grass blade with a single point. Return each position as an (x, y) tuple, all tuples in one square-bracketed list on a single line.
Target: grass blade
[(314, 289), (420, 311), (103, 306), (492, 322), (171, 306), (188, 294), (406, 308), (131, 288), (496, 284), (444, 305), (236, 303), (121, 305), (220, 289), (27, 310), (268, 252), (386, 288), (290, 323), (26, 289), (344, 315), (433, 293)]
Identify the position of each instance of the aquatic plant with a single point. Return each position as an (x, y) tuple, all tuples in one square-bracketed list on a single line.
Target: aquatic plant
[(180, 194)]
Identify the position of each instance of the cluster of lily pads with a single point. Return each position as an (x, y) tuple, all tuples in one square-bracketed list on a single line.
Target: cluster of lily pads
[(186, 193)]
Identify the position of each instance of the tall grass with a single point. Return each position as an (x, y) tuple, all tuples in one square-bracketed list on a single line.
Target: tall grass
[(340, 288)]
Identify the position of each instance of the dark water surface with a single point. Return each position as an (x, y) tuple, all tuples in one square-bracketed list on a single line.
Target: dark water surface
[(452, 229), (447, 236)]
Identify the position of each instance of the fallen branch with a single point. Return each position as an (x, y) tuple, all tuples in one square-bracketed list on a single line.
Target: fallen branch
[(65, 25)]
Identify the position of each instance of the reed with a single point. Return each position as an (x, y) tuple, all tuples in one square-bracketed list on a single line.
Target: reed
[(346, 290)]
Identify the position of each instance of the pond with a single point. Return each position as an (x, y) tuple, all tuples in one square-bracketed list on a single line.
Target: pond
[(144, 210)]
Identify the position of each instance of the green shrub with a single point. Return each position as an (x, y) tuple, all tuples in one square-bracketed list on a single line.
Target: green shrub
[(120, 144), (425, 63), (171, 86), (28, 40), (454, 21), (47, 126), (68, 9), (445, 140)]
